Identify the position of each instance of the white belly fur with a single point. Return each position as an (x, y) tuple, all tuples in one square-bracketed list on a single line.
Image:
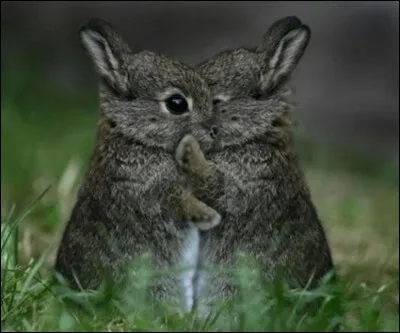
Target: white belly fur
[(191, 279)]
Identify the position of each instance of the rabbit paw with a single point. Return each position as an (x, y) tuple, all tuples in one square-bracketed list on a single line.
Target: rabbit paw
[(188, 153), (205, 219)]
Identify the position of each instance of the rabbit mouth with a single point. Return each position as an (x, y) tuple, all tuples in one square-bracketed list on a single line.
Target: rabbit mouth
[(206, 145), (221, 143), (204, 139)]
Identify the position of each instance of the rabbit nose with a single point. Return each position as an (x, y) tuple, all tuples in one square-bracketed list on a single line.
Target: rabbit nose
[(214, 131)]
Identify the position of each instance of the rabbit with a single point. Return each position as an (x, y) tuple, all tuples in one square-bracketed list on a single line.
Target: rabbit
[(133, 201), (253, 178)]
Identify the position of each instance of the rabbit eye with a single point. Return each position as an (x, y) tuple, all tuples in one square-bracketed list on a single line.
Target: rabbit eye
[(216, 101), (257, 96), (177, 104)]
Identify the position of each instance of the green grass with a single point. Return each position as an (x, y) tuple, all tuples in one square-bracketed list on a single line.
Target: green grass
[(46, 141), (30, 302)]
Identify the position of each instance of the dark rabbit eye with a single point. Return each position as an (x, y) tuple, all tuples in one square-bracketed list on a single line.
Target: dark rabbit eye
[(257, 96), (176, 104), (216, 101)]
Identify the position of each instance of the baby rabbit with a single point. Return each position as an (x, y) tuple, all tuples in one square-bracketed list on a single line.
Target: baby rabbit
[(253, 176), (132, 200)]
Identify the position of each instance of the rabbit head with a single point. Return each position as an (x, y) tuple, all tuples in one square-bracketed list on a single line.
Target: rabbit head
[(248, 86), (148, 98)]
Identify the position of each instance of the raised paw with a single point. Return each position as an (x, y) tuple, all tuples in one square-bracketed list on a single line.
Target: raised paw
[(205, 219), (188, 154)]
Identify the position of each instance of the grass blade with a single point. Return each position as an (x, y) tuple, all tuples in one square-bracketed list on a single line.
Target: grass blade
[(13, 225)]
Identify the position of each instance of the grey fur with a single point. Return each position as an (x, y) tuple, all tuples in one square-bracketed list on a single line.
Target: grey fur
[(248, 173), (260, 190), (133, 201)]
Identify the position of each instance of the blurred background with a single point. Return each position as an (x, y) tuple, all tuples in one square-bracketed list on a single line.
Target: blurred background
[(347, 90)]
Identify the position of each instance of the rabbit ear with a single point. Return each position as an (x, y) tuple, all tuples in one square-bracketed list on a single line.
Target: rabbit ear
[(108, 52), (282, 48)]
